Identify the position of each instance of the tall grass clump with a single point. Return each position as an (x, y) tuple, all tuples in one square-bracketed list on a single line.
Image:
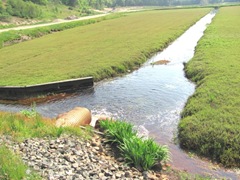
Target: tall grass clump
[(12, 167), (210, 122), (141, 153), (118, 131)]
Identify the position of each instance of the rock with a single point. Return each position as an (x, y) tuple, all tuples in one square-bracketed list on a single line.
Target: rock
[(160, 62), (118, 175), (72, 17), (120, 159), (75, 165), (28, 171), (100, 175), (108, 173), (127, 174), (72, 159)]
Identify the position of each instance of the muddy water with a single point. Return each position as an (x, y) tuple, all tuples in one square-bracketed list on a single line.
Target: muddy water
[(151, 97)]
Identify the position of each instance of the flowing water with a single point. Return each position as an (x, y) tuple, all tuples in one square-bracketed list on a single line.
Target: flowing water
[(151, 97)]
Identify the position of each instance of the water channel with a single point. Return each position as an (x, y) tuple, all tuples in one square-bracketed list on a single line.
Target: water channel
[(151, 97)]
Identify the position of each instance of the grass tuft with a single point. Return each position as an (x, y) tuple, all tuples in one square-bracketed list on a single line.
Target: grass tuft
[(142, 154), (118, 131)]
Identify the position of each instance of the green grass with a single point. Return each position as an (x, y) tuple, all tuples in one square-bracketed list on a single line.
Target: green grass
[(12, 167), (142, 154), (100, 50), (210, 122), (53, 10), (118, 131), (27, 124), (30, 125), (12, 37)]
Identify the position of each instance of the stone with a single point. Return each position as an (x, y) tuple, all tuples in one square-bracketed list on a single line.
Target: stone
[(72, 159), (127, 174)]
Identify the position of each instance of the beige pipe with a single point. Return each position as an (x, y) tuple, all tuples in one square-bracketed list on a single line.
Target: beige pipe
[(79, 116)]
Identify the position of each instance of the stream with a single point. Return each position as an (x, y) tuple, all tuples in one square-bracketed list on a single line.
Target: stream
[(151, 98)]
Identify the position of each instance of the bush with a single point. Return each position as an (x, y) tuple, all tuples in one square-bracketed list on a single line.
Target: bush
[(5, 17), (23, 9)]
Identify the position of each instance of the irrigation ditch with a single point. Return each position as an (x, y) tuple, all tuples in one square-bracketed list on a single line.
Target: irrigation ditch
[(151, 97)]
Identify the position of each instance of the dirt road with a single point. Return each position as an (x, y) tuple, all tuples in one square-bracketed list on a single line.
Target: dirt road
[(52, 23)]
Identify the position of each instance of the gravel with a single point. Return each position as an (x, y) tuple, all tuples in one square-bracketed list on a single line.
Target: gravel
[(70, 157)]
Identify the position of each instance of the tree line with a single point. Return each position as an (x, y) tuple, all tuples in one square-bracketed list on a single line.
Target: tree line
[(32, 8)]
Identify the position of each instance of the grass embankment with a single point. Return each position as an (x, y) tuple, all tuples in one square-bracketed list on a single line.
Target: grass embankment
[(100, 50), (210, 122)]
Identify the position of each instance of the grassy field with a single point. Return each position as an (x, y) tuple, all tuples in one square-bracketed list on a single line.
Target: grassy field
[(13, 37), (210, 122), (100, 50)]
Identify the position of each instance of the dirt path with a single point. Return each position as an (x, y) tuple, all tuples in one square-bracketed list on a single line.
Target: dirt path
[(52, 23), (107, 11)]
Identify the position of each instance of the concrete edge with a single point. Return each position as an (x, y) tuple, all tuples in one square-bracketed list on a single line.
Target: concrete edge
[(21, 92)]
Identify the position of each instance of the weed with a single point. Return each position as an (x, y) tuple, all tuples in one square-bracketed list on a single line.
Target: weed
[(30, 113)]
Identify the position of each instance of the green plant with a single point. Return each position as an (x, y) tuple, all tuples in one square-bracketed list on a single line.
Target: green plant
[(22, 127), (143, 154), (117, 131), (30, 113), (11, 166)]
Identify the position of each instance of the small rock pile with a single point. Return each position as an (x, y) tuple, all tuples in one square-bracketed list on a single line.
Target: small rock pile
[(69, 157)]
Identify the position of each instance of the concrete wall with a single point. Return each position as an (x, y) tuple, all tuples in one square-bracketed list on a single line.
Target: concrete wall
[(21, 92)]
